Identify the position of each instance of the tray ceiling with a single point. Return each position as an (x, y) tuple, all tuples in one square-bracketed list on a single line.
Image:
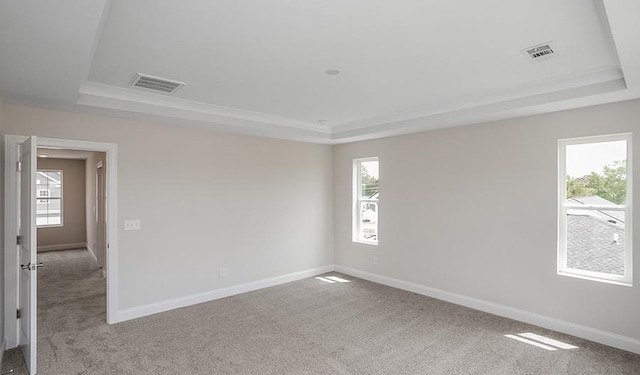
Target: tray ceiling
[(322, 71)]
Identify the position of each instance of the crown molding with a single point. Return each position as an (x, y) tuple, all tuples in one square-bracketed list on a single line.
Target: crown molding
[(590, 95), (579, 82), (567, 92), (118, 98)]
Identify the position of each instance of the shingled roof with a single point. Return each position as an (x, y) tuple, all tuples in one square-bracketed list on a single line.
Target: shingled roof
[(595, 239)]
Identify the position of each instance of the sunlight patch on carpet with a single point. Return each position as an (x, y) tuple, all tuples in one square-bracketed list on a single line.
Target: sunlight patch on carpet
[(541, 341)]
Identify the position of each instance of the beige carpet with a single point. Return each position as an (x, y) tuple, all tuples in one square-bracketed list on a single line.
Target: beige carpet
[(305, 327)]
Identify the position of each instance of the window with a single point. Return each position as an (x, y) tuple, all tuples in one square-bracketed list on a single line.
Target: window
[(594, 234), (365, 200), (48, 198), (43, 193)]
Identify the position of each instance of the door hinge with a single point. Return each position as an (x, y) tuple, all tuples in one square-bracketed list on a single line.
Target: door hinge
[(19, 240), (18, 313), (19, 166)]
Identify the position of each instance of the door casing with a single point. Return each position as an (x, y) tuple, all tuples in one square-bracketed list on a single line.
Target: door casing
[(11, 264)]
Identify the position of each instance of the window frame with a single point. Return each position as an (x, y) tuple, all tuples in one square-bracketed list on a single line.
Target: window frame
[(562, 267), (61, 199), (358, 200)]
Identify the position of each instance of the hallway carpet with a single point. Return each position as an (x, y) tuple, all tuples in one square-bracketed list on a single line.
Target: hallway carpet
[(312, 326)]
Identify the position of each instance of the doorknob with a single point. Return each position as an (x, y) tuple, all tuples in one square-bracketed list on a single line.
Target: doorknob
[(31, 266)]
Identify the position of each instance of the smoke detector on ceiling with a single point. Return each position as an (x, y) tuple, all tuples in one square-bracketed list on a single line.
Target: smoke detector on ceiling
[(540, 52), (149, 82)]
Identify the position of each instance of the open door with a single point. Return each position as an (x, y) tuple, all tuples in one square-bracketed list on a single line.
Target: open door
[(101, 205), (28, 254)]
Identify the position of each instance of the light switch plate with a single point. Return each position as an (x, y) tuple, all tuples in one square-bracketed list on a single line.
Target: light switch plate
[(133, 224)]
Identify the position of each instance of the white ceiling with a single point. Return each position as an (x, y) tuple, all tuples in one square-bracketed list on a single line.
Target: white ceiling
[(258, 67)]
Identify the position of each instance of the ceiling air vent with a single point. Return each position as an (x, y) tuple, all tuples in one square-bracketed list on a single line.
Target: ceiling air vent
[(156, 83), (540, 52)]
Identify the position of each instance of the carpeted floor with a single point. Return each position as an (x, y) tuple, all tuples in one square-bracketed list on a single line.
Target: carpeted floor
[(311, 326)]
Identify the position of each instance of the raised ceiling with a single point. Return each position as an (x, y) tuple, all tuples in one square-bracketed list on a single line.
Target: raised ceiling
[(260, 67)]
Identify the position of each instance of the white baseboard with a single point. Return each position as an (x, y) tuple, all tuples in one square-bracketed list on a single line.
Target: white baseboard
[(93, 255), (154, 308), (592, 334), (3, 348), (63, 246)]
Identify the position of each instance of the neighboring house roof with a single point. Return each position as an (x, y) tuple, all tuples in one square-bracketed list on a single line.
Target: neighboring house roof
[(596, 200), (595, 238), (591, 245), (46, 175), (584, 180)]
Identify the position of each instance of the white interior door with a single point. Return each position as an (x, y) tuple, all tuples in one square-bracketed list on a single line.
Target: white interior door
[(100, 216), (28, 254)]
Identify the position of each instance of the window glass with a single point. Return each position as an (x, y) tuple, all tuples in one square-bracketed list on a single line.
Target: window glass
[(48, 198), (365, 227), (595, 209)]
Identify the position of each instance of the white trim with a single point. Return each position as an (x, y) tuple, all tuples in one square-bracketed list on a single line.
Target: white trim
[(107, 96), (63, 246), (358, 200), (573, 85), (562, 267), (111, 150), (595, 87), (588, 333), (162, 306), (3, 348), (11, 204), (11, 262), (582, 97), (93, 256)]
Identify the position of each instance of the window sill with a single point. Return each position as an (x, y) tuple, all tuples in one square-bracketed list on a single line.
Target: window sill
[(50, 226), (365, 242), (578, 275)]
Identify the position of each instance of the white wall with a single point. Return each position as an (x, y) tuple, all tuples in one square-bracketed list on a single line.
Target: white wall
[(484, 226), (258, 207), (473, 210), (73, 232), (2, 132)]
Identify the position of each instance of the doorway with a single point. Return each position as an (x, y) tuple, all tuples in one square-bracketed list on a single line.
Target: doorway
[(109, 231), (71, 202), (69, 208)]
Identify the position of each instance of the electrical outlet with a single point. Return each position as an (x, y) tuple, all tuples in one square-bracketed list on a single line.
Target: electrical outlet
[(223, 272), (132, 224), (375, 259)]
